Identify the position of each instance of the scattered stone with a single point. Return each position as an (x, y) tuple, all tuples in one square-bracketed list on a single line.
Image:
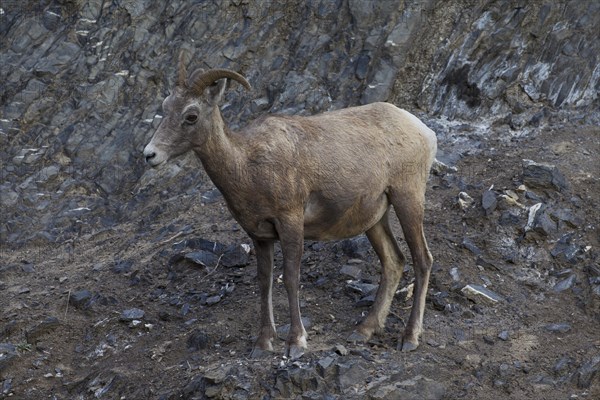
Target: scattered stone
[(46, 326), (568, 217), (488, 339), (80, 298), (197, 340), (201, 244), (132, 314), (481, 294), (6, 387), (202, 257), (236, 256), (357, 247), (543, 176), (465, 201), (454, 274), (565, 248), (565, 284), (352, 373), (211, 196), (325, 367), (482, 262), (469, 245), (340, 349), (8, 351), (504, 335), (297, 380), (489, 201), (539, 222), (366, 301), (352, 271), (283, 330), (558, 327), (415, 388), (122, 266), (440, 169), (509, 217), (588, 373), (562, 364), (472, 360), (362, 287), (439, 300), (212, 300)]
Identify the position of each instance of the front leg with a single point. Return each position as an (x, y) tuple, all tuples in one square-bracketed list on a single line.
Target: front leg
[(291, 235), (264, 263)]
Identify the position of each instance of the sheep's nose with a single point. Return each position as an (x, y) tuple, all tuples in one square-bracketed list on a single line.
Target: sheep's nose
[(150, 156)]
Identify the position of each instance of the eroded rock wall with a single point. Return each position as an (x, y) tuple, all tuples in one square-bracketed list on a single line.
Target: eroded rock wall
[(83, 80)]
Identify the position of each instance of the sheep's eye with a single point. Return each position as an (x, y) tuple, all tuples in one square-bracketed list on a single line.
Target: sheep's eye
[(191, 119)]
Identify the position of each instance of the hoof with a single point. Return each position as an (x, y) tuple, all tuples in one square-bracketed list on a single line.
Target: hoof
[(357, 337), (295, 352), (407, 346), (258, 353)]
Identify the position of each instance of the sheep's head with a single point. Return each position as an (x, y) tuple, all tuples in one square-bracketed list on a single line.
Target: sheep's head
[(188, 112)]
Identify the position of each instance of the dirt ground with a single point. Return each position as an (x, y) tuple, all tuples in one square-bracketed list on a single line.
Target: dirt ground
[(475, 350)]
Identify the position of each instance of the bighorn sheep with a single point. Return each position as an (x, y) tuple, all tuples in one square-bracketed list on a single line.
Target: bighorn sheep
[(330, 176)]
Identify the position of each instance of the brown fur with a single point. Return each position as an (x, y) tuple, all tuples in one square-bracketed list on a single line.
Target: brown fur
[(330, 176)]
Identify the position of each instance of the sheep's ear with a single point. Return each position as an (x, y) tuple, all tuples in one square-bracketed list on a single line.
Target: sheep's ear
[(216, 91)]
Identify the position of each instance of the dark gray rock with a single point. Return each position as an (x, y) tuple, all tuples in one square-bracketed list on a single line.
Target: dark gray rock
[(361, 287), (212, 300), (132, 314), (204, 258), (469, 245), (379, 88), (122, 266), (481, 294), (197, 340), (543, 176), (212, 196), (568, 217), (236, 256), (588, 373), (80, 299), (6, 387), (8, 352), (562, 365), (353, 271), (539, 222), (351, 373), (283, 330), (416, 388), (297, 380), (440, 300), (326, 368), (562, 327), (357, 247), (565, 284), (489, 201), (565, 249), (36, 332)]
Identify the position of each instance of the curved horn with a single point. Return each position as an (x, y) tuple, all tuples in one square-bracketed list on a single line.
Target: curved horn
[(182, 71), (209, 77)]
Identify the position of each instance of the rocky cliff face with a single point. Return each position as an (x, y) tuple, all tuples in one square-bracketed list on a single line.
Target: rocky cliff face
[(82, 83)]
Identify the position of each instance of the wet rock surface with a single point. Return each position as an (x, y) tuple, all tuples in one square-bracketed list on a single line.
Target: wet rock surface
[(118, 281)]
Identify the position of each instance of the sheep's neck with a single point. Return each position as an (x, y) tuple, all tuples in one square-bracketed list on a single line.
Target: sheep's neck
[(223, 161)]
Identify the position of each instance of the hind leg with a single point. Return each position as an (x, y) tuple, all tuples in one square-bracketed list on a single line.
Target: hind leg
[(410, 211), (392, 266)]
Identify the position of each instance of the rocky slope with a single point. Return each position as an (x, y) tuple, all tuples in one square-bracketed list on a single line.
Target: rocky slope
[(108, 276)]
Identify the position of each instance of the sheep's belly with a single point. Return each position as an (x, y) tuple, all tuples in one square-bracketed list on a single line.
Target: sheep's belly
[(326, 219)]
